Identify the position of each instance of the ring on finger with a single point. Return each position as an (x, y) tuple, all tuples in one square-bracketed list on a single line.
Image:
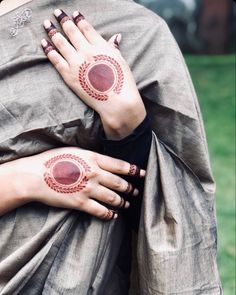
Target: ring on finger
[(47, 46), (62, 17), (110, 214), (77, 17), (122, 204), (130, 189), (51, 30), (134, 170)]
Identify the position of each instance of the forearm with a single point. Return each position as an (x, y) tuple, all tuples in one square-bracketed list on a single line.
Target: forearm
[(14, 189)]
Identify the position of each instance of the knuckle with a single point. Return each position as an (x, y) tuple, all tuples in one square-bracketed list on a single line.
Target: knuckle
[(85, 27), (92, 174), (80, 203), (60, 42), (117, 183), (112, 198), (120, 166), (71, 29), (87, 189)]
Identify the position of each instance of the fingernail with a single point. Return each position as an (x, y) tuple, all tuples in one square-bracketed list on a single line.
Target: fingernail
[(61, 16), (142, 173), (47, 46), (115, 216), (127, 205), (136, 192), (50, 28), (77, 17)]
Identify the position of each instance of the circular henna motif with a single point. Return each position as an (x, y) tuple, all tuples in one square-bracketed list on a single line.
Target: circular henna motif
[(101, 77), (66, 173)]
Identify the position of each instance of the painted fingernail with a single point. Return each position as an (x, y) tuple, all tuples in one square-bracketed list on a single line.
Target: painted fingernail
[(77, 17), (47, 46), (49, 28), (61, 16)]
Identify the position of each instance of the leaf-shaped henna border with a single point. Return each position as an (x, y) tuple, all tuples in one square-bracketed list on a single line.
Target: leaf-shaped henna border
[(54, 185), (86, 87)]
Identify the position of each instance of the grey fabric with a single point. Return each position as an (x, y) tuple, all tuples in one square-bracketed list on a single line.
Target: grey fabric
[(45, 250)]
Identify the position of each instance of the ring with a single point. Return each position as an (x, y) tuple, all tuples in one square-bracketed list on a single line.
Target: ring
[(78, 18), (48, 47), (51, 31), (122, 203), (62, 18), (130, 189), (134, 170), (110, 214)]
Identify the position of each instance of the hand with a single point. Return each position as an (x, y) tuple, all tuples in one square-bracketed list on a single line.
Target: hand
[(95, 70), (77, 179)]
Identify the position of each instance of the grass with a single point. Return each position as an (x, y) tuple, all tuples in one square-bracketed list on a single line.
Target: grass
[(214, 80)]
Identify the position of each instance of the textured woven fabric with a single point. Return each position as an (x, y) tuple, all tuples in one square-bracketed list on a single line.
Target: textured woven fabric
[(44, 250)]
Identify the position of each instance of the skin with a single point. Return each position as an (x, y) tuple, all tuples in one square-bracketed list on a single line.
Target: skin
[(94, 186), (90, 192), (121, 108)]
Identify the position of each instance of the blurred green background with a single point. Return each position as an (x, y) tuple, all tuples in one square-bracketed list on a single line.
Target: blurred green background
[(206, 29), (214, 81)]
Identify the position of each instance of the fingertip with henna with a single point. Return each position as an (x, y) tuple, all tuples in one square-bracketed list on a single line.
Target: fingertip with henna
[(61, 16), (47, 46), (77, 17), (49, 28), (111, 215)]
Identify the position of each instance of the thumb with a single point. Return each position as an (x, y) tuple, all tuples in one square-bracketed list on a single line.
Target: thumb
[(115, 40)]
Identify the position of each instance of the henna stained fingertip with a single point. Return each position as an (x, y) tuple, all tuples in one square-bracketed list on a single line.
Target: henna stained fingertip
[(61, 16), (47, 46), (50, 28), (77, 17), (111, 215), (134, 170)]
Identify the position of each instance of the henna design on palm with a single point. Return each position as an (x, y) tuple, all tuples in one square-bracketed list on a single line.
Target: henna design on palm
[(66, 173), (101, 77)]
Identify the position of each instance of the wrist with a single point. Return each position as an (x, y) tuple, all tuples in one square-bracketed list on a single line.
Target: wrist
[(119, 124), (22, 181)]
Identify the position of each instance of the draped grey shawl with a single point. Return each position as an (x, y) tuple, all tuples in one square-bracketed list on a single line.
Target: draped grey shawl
[(45, 250)]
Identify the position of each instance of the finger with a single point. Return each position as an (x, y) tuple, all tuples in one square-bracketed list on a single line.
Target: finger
[(115, 40), (100, 211), (71, 30), (119, 167), (55, 58), (117, 183), (109, 197), (60, 42), (87, 29)]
